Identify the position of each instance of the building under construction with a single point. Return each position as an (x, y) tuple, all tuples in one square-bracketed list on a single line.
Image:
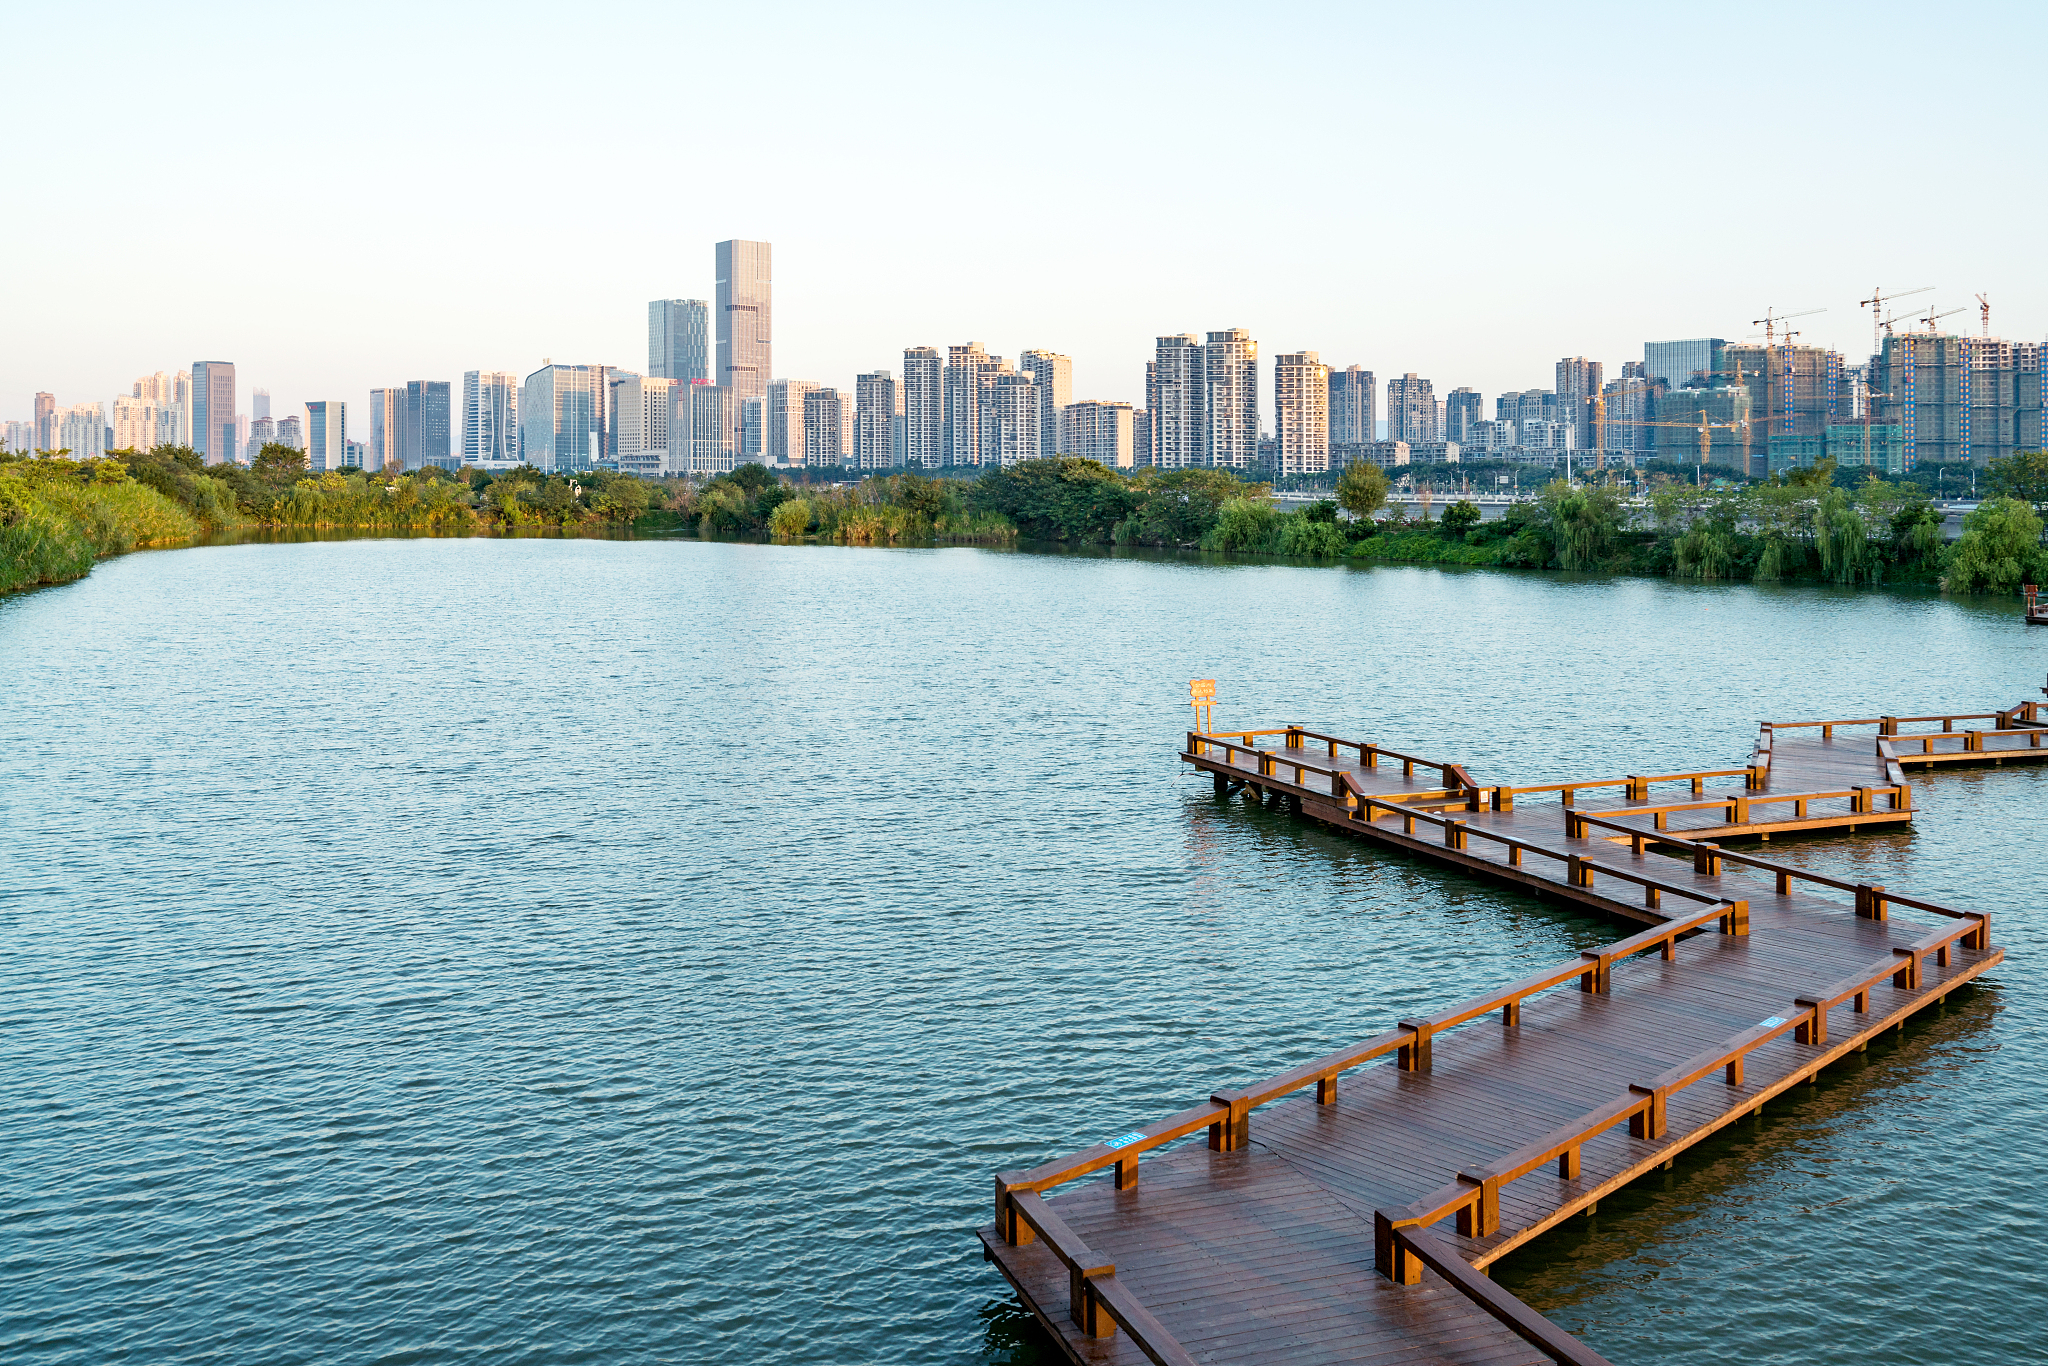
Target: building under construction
[(1795, 394), (1957, 398), (1731, 437)]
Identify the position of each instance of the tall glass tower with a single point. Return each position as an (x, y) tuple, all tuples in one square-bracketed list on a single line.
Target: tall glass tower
[(679, 339), (745, 321)]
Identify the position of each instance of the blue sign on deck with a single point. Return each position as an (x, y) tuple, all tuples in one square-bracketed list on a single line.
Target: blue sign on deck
[(1122, 1140), (1771, 1023)]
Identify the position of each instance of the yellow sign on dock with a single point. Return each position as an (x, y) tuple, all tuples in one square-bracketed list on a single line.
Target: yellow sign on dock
[(1202, 696)]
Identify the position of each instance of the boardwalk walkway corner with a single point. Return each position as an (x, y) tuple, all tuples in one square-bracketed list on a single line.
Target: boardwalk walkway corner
[(1352, 1218)]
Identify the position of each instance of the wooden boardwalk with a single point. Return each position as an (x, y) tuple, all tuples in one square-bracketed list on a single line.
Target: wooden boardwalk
[(1340, 1212)]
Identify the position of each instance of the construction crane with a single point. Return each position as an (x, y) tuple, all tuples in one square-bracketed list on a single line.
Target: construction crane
[(1769, 321), (1930, 317), (1985, 304), (1876, 302)]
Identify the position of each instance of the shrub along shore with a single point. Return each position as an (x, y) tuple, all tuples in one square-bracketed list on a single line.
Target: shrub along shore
[(58, 515)]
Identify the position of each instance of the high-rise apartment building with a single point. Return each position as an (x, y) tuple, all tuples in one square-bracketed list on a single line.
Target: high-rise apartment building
[(1579, 382), (135, 423), (1054, 376), (213, 410), (18, 438), (1795, 393), (1010, 408), (1354, 407), (327, 443), (878, 412), (821, 428), (80, 428), (924, 408), (1464, 408), (259, 404), (1411, 410), (1231, 400), (1174, 386), (1301, 413), (46, 422), (637, 424), (258, 433), (679, 339), (562, 416), (785, 443), (1106, 433), (490, 416), (745, 359), (964, 381), (290, 432)]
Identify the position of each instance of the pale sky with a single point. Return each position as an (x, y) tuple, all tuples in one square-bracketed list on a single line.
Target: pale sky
[(341, 197)]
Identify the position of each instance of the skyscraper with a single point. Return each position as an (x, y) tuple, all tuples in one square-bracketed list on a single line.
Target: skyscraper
[(562, 411), (327, 440), (427, 430), (259, 404), (1301, 413), (1054, 376), (745, 321), (877, 414), (1411, 410), (1679, 363), (387, 428), (46, 422), (80, 428), (490, 415), (1231, 399), (679, 339), (1464, 407), (924, 408), (1354, 409), (213, 410)]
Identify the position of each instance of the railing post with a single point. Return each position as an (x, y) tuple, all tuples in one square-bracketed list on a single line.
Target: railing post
[(1008, 1223), (1415, 1055), (1907, 978), (1389, 1257), (1706, 858), (1083, 1305), (1979, 939), (1814, 1028), (1481, 1218), (1454, 834), (1887, 725), (1503, 799), (1648, 1122), (1735, 920), (1233, 1131), (1638, 788), (1870, 901), (1741, 811), (1596, 979)]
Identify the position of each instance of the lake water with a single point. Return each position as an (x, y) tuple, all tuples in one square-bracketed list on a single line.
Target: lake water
[(549, 951)]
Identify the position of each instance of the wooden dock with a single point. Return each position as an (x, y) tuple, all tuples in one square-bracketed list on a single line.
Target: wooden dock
[(1340, 1212)]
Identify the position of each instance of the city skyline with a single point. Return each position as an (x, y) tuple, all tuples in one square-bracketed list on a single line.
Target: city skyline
[(1434, 278)]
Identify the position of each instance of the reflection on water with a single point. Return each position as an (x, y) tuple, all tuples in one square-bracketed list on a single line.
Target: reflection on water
[(429, 948)]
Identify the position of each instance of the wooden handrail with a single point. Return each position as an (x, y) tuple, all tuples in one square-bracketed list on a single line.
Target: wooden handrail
[(1096, 1301), (1735, 805), (1523, 1321)]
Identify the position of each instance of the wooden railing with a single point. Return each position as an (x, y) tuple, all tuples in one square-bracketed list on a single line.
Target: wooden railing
[(1972, 740), (1474, 1196), (1636, 786), (1737, 806), (1872, 900), (1097, 1302), (1453, 775)]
